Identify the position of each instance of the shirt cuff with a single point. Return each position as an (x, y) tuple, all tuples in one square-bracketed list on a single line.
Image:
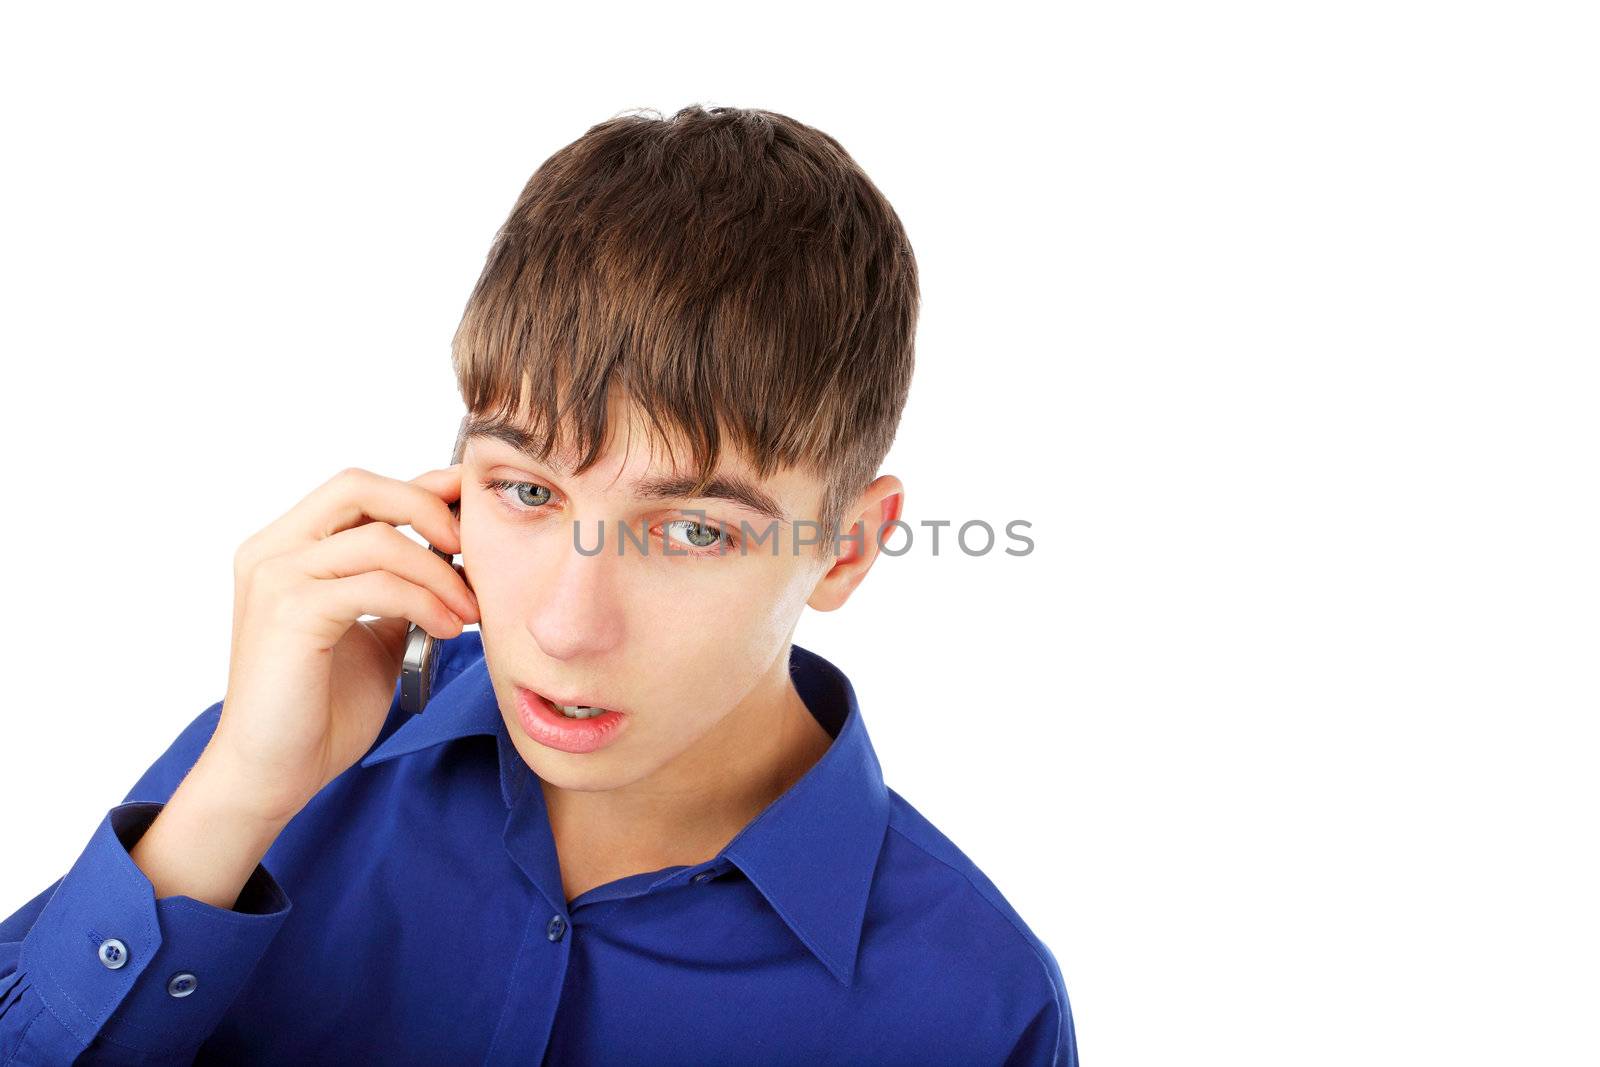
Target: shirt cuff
[(111, 961)]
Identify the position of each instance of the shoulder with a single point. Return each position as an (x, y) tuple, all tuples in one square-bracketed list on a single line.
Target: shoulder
[(964, 929), (919, 853)]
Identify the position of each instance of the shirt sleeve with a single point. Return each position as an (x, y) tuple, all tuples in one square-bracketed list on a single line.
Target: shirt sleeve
[(1049, 1039), (97, 970)]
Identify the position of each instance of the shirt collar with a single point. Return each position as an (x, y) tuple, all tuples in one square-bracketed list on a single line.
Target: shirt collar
[(811, 853)]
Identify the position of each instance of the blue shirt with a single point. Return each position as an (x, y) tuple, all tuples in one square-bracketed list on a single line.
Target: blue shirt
[(428, 925)]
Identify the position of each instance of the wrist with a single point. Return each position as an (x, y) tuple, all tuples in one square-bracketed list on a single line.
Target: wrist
[(217, 782)]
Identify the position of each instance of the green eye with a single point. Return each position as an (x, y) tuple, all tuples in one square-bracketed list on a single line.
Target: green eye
[(699, 534), (540, 494), (528, 494)]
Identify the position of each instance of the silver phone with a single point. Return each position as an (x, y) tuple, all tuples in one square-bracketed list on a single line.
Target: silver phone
[(420, 663)]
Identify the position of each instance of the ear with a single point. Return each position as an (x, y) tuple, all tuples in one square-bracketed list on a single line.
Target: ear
[(877, 506)]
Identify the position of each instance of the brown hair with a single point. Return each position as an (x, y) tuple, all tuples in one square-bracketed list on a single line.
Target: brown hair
[(732, 271)]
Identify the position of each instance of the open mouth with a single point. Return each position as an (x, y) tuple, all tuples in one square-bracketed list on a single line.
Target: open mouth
[(568, 727), (576, 706), (569, 711), (579, 711)]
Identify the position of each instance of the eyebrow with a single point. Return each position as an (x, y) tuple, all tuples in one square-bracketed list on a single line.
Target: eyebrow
[(733, 488)]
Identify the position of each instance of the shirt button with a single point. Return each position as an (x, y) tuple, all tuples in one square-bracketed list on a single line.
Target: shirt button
[(113, 953), (704, 876), (181, 985), (557, 927)]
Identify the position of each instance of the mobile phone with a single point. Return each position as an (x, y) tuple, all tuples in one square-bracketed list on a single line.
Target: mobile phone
[(421, 662)]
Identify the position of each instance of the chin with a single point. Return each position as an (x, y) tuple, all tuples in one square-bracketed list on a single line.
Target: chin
[(570, 770), (579, 774)]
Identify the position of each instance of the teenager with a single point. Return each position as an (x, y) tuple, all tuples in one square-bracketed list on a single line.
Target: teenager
[(634, 824)]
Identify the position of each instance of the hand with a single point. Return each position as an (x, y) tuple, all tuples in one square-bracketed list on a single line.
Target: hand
[(309, 683)]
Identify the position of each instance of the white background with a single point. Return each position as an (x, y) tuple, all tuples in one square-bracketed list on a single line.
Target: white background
[(1277, 321)]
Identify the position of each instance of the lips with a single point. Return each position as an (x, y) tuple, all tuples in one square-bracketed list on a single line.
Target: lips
[(542, 721)]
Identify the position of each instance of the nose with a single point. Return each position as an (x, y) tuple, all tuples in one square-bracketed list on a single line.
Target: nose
[(575, 612)]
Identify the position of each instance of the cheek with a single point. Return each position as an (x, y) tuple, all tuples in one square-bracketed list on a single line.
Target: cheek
[(493, 560), (755, 617), (789, 588)]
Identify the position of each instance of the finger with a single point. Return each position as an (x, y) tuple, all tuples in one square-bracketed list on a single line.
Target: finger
[(359, 496), (355, 497), (387, 595), (445, 481), (379, 546)]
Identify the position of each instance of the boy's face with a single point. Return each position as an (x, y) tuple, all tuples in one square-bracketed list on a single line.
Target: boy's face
[(675, 642)]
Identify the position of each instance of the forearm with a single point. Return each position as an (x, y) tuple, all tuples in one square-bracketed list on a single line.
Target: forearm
[(207, 840)]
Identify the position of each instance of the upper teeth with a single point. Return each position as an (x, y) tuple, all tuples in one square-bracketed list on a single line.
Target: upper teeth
[(580, 711)]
